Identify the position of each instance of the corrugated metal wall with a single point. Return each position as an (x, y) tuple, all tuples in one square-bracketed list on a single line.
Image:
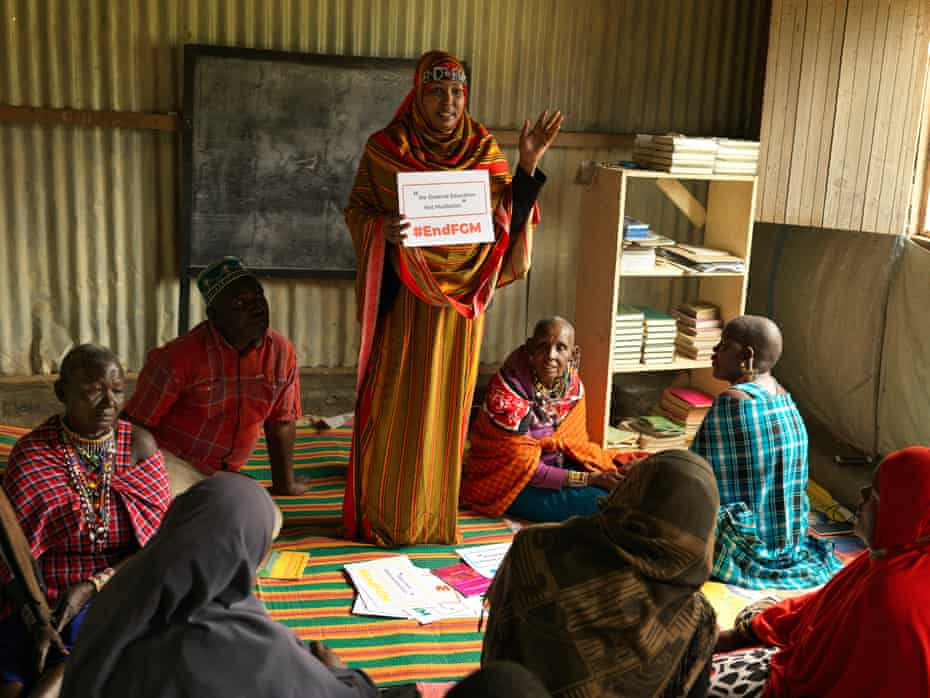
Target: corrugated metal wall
[(87, 234)]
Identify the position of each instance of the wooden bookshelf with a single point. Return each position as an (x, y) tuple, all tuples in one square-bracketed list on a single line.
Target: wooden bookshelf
[(728, 220)]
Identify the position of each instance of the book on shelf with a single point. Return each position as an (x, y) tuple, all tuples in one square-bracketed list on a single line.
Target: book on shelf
[(682, 142), (729, 263), (628, 331), (697, 343), (677, 157), (617, 437), (653, 318), (738, 144), (696, 253), (699, 333), (632, 225), (662, 330), (659, 443), (659, 353), (690, 397), (653, 240), (657, 425), (625, 333), (630, 312), (692, 353), (699, 310), (736, 156), (635, 258), (681, 415), (699, 326), (736, 168)]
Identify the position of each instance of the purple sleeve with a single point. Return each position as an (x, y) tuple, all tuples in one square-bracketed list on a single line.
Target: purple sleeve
[(547, 476)]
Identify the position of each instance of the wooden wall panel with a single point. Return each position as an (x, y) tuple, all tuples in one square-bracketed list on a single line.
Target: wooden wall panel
[(841, 112)]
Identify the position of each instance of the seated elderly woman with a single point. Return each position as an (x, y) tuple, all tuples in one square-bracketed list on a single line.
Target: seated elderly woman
[(610, 604), (530, 455), (88, 490), (867, 632), (755, 440), (182, 620)]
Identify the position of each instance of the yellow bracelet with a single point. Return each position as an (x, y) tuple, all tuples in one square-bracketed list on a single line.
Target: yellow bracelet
[(577, 479)]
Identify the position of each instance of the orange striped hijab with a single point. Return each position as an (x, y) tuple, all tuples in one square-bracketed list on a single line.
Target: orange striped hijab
[(411, 143)]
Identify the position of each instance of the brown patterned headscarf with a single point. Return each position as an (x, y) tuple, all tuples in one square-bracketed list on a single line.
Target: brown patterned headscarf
[(609, 604)]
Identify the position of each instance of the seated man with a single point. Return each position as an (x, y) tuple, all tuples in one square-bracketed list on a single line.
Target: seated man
[(756, 442), (205, 395), (530, 456)]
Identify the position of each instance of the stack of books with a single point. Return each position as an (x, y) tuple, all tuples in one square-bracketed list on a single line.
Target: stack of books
[(634, 229), (637, 257), (735, 157), (699, 329), (698, 259), (676, 154), (686, 407), (619, 437), (628, 337), (657, 432), (659, 332)]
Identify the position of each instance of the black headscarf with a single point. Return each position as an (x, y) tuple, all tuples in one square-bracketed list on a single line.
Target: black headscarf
[(609, 604), (180, 618)]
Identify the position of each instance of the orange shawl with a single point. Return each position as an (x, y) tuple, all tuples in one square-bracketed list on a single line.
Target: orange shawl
[(500, 464), (436, 275)]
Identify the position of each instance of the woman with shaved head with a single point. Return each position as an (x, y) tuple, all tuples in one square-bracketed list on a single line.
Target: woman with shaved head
[(530, 455), (756, 442)]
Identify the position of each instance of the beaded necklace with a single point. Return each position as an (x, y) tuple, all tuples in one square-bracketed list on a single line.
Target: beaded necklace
[(92, 486), (547, 397)]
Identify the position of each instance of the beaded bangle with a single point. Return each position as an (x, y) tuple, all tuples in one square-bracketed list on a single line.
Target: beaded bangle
[(100, 579), (577, 479)]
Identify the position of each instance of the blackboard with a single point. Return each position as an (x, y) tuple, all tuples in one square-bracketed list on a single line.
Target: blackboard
[(275, 139), (271, 143)]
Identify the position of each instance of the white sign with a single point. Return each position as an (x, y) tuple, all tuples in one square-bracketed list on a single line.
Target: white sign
[(446, 207)]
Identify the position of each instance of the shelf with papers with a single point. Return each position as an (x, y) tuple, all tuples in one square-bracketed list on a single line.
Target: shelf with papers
[(663, 270), (679, 364)]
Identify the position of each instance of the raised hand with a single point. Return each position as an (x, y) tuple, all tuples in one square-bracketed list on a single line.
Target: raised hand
[(534, 142)]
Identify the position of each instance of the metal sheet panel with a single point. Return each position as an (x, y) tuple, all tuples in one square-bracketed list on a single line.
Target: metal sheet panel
[(88, 230)]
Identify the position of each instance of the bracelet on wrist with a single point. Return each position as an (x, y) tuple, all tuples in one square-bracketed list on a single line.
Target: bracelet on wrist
[(577, 478)]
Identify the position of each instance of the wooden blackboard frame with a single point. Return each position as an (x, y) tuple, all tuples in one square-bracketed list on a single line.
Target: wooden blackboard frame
[(194, 52)]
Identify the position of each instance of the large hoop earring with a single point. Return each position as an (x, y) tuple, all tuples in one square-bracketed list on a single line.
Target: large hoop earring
[(749, 371)]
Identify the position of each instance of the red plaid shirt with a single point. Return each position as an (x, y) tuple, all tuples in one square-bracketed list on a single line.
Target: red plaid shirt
[(49, 511), (206, 403)]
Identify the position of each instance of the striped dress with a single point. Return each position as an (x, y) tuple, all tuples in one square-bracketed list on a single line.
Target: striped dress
[(758, 450), (421, 311)]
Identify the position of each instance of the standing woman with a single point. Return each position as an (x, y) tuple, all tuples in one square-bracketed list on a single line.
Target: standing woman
[(422, 308)]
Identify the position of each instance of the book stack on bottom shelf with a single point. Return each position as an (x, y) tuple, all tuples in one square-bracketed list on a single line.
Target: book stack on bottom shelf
[(628, 337), (618, 437), (658, 337), (658, 433), (699, 329), (687, 408)]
